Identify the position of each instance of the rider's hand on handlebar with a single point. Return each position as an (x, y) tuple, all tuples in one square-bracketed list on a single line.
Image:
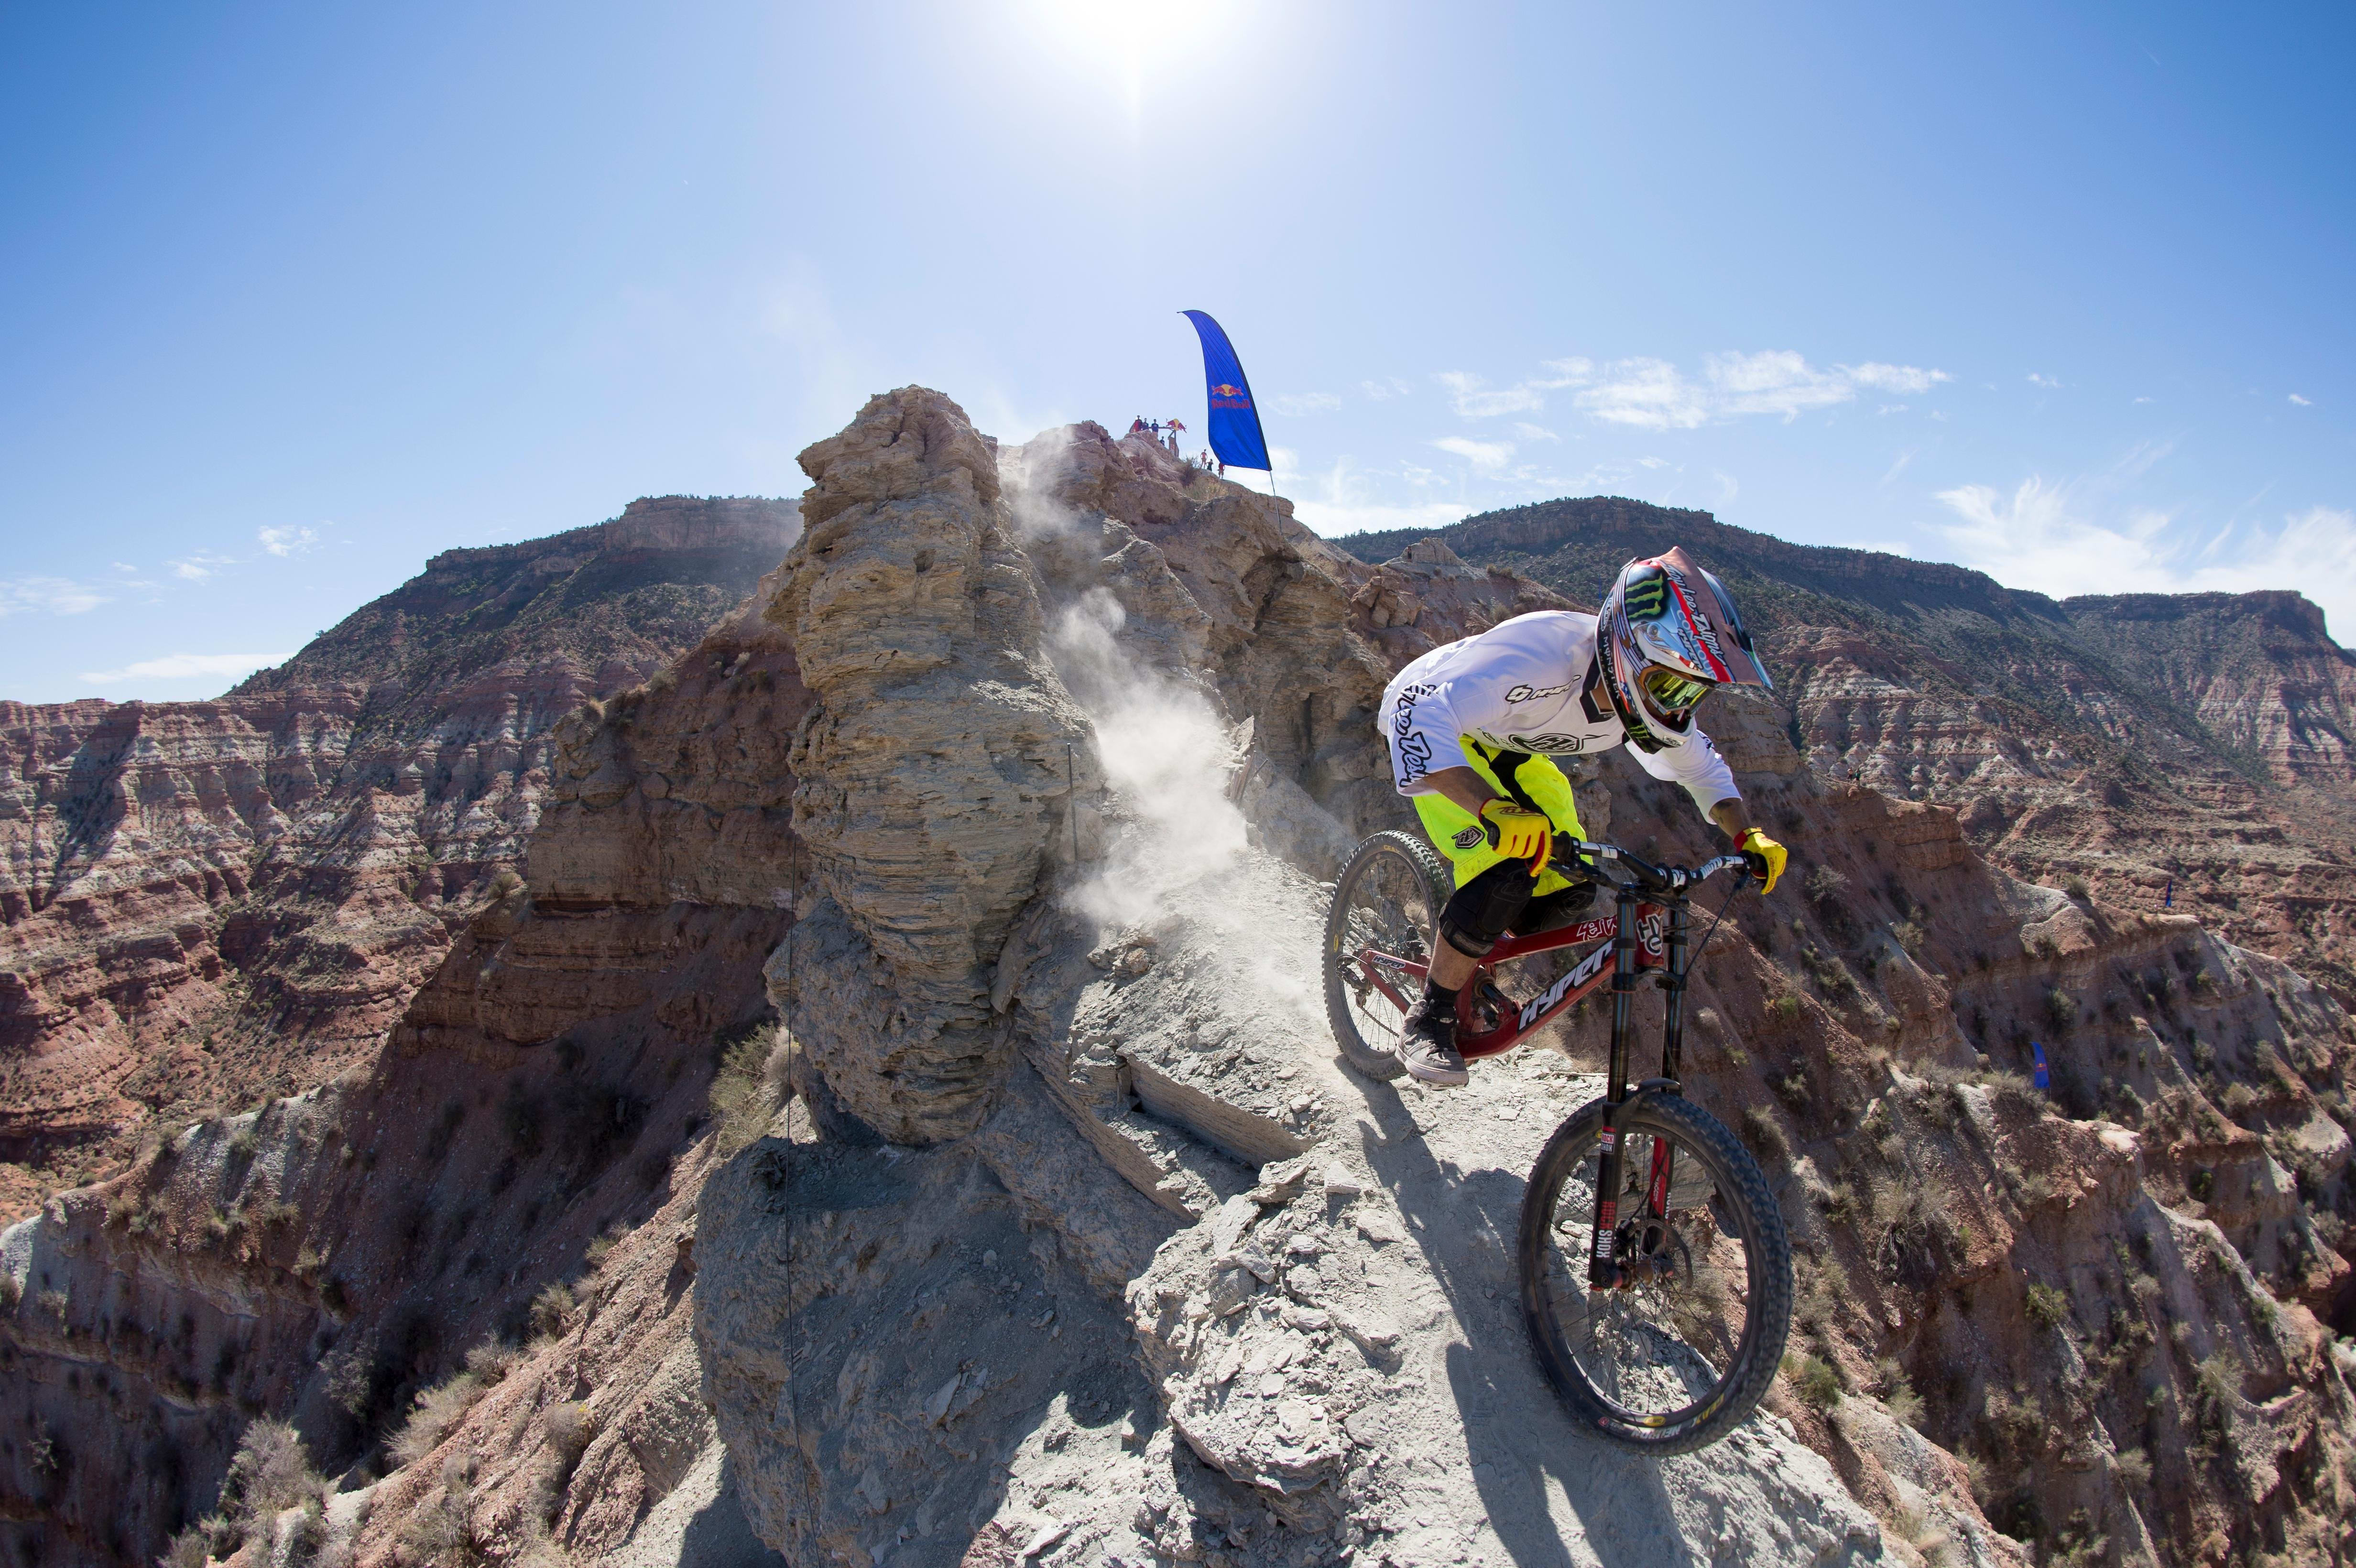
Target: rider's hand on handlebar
[(1518, 834), (1766, 859)]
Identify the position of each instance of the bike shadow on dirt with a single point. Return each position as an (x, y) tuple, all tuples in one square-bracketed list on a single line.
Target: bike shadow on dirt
[(1517, 1432)]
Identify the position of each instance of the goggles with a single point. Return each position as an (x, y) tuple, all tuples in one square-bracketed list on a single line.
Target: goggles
[(1669, 690)]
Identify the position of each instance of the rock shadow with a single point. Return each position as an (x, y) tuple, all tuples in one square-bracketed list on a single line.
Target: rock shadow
[(1517, 1432)]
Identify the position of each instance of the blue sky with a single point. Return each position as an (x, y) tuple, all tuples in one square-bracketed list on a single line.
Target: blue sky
[(297, 295)]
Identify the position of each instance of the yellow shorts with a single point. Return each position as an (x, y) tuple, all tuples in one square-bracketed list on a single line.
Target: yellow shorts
[(1528, 781)]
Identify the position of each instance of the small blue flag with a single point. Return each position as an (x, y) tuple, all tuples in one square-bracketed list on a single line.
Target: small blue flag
[(2167, 900), (1235, 422), (2044, 1078)]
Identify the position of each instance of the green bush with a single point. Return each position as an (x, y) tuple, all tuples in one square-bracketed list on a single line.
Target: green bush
[(2048, 1306), (1816, 1384)]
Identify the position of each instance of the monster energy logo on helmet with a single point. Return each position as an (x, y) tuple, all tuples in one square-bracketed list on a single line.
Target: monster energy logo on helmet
[(1667, 616), (1646, 592)]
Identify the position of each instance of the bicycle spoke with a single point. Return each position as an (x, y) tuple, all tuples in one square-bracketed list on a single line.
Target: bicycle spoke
[(1666, 1343), (1388, 914)]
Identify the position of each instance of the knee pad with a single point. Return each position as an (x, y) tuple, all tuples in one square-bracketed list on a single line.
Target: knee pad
[(1483, 907)]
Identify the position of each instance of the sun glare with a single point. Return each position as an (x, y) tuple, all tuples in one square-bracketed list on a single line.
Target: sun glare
[(1130, 47)]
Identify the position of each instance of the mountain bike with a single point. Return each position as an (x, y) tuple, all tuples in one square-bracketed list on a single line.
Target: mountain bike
[(1655, 1273)]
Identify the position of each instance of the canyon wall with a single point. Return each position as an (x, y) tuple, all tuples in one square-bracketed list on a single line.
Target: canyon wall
[(202, 904)]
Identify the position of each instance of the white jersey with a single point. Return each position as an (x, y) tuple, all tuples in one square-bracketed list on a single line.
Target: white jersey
[(1529, 684)]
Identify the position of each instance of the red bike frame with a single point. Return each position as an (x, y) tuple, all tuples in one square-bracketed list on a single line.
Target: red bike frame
[(1514, 1021)]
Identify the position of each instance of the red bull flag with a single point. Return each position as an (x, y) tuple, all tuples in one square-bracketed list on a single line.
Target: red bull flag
[(1235, 430)]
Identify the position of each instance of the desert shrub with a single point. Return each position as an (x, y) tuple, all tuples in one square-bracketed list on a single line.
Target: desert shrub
[(436, 1411), (491, 1361), (1792, 1089), (505, 880), (1764, 1134), (2048, 1306), (2076, 888), (243, 1144), (1783, 1008), (2013, 1093), (1825, 883), (1815, 1381), (749, 1085), (2061, 1010), (552, 1309), (2134, 1467), (270, 1473), (1909, 936), (1897, 1390), (276, 1216), (2239, 1098), (442, 1532)]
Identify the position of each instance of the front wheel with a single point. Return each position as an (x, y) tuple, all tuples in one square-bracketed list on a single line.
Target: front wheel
[(1378, 936), (1676, 1359)]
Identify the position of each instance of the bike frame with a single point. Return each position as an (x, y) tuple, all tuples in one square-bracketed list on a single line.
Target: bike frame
[(1644, 935)]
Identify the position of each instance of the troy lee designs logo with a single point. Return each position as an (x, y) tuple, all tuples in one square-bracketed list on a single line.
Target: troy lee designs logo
[(1697, 617), (1528, 693), (1413, 750)]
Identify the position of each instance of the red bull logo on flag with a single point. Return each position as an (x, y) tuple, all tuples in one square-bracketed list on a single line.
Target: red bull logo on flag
[(1234, 425)]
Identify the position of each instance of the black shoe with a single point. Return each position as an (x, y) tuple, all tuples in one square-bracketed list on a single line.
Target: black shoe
[(1427, 1044)]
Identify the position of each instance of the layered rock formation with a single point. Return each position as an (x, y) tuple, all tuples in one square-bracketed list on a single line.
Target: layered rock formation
[(1074, 1244), (210, 902)]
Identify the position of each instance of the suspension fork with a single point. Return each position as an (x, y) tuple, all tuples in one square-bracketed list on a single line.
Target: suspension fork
[(1603, 1267), (1673, 1047)]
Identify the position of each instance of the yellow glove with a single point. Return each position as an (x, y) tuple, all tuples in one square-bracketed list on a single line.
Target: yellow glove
[(1766, 858), (1518, 834)]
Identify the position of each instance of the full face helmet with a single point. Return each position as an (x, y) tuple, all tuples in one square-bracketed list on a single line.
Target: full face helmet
[(1669, 636)]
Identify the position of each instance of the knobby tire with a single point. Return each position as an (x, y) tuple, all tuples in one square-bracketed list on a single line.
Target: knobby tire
[(1757, 1223), (1409, 858)]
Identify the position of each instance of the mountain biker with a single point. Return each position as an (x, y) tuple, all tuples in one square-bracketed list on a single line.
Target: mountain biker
[(1473, 726)]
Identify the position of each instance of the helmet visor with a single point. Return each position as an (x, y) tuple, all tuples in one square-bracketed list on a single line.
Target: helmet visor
[(1669, 690)]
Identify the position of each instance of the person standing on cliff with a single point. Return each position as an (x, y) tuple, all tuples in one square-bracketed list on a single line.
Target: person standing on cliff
[(1474, 727)]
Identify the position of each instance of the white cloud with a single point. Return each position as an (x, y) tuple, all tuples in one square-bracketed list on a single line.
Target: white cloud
[(1893, 378), (2302, 402), (1293, 404), (1341, 501), (1388, 386), (2143, 399), (1470, 398), (286, 541), (1891, 409), (202, 565), (57, 595), (185, 667), (1898, 467), (2038, 537), (1653, 462), (1654, 394), (1486, 455), (2037, 380), (1532, 432)]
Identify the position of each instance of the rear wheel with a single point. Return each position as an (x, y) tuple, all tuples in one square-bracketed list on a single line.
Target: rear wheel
[(1676, 1360), (1386, 908)]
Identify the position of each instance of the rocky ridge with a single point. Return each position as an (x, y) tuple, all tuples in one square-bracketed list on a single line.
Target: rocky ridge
[(203, 901), (1073, 1242)]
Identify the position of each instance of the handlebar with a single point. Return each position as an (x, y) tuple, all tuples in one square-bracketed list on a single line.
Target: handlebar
[(1586, 854)]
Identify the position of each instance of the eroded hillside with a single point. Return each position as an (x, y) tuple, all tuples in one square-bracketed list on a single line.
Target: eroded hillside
[(893, 1119), (208, 903)]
